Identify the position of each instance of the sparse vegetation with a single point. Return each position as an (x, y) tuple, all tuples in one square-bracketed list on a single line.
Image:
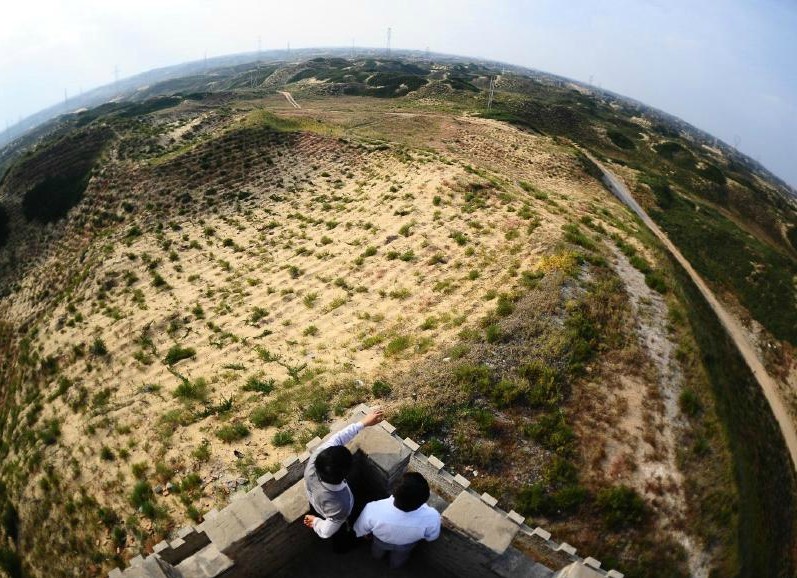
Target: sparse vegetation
[(301, 268), (232, 432), (177, 353)]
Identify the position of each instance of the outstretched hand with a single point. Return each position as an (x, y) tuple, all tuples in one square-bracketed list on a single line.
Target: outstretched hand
[(373, 418), (309, 520)]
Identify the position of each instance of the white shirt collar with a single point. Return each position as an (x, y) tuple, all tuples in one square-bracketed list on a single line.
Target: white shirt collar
[(334, 487)]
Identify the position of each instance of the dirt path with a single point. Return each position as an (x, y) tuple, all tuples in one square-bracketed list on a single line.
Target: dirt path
[(731, 324), (289, 97)]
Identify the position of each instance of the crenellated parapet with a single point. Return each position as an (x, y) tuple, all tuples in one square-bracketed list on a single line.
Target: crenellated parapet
[(260, 531)]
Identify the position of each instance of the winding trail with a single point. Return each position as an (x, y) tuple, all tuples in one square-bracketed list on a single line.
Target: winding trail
[(729, 322), (289, 97)]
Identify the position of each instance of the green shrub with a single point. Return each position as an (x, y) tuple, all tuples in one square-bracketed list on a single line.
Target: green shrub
[(508, 392), (655, 281), (381, 389), (621, 507), (139, 470), (50, 433), (535, 500), (202, 452), (163, 472), (310, 300), (573, 234), (459, 237), (191, 484), (192, 512), (689, 403), (417, 420), (258, 384), (473, 378), (542, 386), (317, 411), (552, 432), (106, 454), (620, 140), (397, 345), (257, 314), (282, 438), (493, 333), (407, 256), (158, 281), (266, 415), (142, 498), (232, 432), (192, 390), (177, 353), (98, 347)]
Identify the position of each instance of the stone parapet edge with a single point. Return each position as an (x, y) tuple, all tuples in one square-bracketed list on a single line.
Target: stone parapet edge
[(292, 469)]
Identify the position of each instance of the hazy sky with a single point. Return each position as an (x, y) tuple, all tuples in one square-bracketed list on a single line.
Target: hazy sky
[(726, 66)]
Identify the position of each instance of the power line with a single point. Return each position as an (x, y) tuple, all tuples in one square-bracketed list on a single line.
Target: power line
[(492, 91)]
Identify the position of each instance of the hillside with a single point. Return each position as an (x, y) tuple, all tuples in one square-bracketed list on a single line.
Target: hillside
[(194, 284)]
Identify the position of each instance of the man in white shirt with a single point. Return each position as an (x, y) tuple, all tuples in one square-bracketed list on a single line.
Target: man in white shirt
[(325, 479), (399, 522)]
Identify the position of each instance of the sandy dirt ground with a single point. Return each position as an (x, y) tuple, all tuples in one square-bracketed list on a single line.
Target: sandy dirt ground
[(345, 263)]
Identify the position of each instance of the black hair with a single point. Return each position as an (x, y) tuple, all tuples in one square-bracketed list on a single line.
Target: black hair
[(333, 464), (411, 493)]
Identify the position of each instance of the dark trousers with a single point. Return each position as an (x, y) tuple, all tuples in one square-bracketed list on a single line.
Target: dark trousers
[(344, 539), (397, 556)]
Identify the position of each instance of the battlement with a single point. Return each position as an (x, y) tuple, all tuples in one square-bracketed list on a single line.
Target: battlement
[(260, 532)]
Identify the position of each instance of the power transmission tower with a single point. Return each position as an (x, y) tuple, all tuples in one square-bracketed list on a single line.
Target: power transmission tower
[(116, 74), (65, 97), (388, 40), (259, 45), (289, 49), (492, 91), (352, 48)]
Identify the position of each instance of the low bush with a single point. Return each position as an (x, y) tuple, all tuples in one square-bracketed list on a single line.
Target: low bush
[(689, 403), (259, 384), (266, 415), (192, 390), (381, 389), (398, 345), (177, 353), (317, 410), (232, 432), (621, 507), (282, 438)]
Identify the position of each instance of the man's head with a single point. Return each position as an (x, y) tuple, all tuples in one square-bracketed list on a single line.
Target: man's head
[(333, 464), (411, 493)]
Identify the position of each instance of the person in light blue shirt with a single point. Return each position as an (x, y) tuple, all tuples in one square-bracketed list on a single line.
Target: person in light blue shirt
[(396, 524)]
